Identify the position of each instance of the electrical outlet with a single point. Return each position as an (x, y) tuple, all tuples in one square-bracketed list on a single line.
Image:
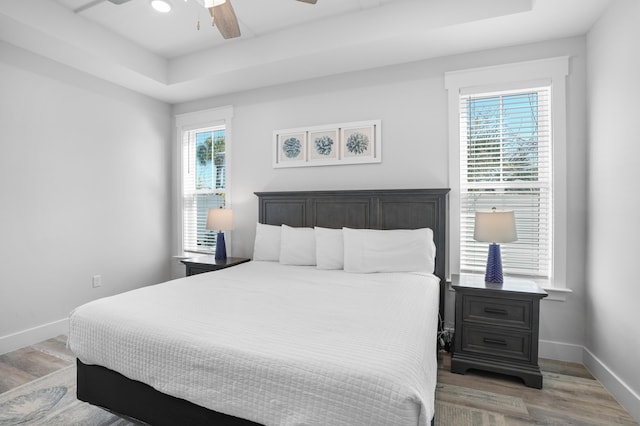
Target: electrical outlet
[(96, 281)]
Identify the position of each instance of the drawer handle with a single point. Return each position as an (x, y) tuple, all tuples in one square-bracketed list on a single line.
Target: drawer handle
[(494, 341), (495, 311)]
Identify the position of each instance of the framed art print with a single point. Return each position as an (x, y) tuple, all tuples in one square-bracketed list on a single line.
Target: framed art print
[(291, 148), (323, 145), (331, 144), (360, 142)]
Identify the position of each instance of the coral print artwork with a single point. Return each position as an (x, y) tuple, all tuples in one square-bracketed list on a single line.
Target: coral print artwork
[(358, 143), (323, 145), (291, 147)]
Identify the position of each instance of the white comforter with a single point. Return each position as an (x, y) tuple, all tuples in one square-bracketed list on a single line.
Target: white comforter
[(275, 344)]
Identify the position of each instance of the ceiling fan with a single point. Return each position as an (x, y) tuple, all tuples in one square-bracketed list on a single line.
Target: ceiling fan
[(221, 11), (224, 17)]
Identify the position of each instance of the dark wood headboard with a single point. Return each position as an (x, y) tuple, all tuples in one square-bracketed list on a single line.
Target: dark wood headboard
[(372, 209)]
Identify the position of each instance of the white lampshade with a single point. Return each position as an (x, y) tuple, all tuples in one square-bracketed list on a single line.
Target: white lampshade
[(220, 219), (495, 226)]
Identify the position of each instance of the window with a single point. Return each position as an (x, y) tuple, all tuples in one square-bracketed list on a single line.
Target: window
[(507, 149), (204, 151), (204, 185), (505, 162)]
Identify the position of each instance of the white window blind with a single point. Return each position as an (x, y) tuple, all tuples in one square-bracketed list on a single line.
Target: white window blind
[(505, 149), (204, 185)]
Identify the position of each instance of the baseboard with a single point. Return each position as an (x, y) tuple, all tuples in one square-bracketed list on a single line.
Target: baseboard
[(626, 396), (31, 336), (561, 351)]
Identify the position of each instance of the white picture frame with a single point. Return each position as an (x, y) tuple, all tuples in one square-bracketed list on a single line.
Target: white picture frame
[(291, 148), (332, 144), (358, 143)]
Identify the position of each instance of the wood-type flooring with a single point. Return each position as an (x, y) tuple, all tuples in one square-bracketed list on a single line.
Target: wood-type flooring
[(570, 394)]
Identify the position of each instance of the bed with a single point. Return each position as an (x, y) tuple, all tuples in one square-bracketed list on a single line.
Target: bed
[(290, 369)]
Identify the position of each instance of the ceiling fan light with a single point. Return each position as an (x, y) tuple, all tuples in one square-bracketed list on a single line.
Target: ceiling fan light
[(162, 6), (213, 3)]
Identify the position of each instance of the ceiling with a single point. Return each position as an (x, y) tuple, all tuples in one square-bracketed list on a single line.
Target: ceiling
[(166, 57)]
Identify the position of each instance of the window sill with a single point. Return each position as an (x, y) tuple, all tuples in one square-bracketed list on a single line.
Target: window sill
[(556, 294)]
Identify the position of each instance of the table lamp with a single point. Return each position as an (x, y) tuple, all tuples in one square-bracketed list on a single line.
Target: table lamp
[(495, 226), (220, 220)]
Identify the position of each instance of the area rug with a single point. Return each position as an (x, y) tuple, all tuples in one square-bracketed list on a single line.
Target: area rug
[(51, 400)]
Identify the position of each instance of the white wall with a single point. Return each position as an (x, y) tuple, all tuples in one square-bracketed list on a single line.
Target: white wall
[(411, 101), (613, 330), (85, 190)]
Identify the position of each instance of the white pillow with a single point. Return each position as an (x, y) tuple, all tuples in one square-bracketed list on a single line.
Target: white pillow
[(267, 243), (297, 246), (396, 250), (329, 248)]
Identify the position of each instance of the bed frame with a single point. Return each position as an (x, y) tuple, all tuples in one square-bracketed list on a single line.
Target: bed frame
[(375, 209)]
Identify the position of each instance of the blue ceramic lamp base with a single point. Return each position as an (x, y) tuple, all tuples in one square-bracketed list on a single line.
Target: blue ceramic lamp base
[(221, 249), (494, 265)]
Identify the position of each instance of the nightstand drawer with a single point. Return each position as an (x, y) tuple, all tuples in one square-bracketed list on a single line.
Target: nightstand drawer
[(499, 311), (495, 342)]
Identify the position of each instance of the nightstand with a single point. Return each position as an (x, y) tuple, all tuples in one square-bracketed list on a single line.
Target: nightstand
[(497, 327), (199, 265)]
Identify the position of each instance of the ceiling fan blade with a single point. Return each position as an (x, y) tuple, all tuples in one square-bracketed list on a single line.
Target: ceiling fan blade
[(93, 3), (309, 1), (225, 19)]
